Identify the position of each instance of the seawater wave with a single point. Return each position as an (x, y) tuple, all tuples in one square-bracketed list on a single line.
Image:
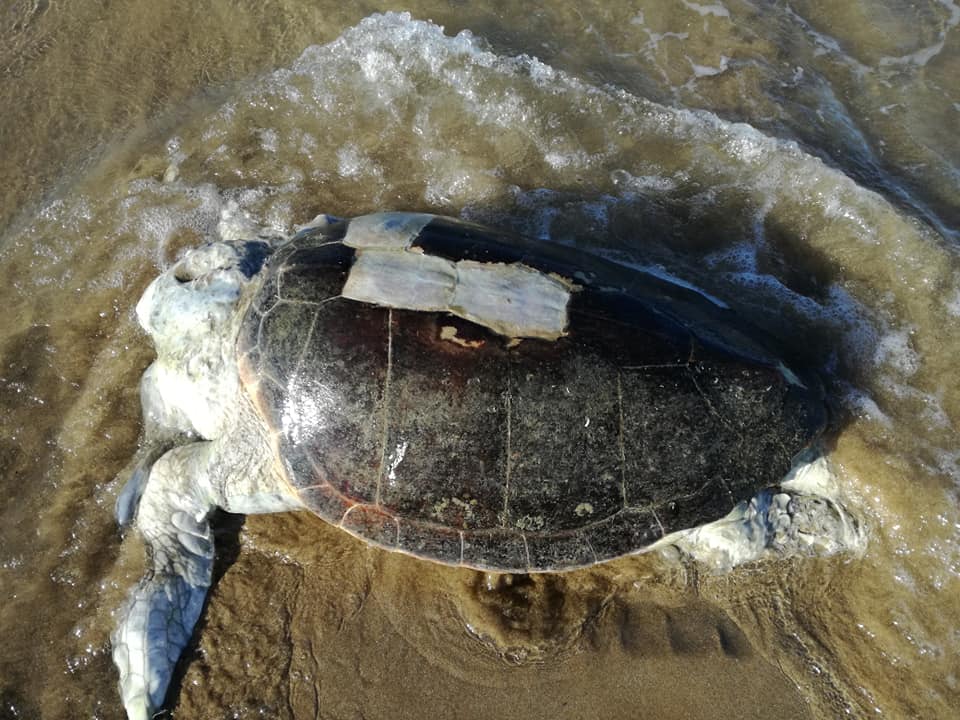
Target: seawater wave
[(396, 114)]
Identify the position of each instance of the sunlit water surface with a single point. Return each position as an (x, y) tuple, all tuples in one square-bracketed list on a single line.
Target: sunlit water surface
[(798, 160)]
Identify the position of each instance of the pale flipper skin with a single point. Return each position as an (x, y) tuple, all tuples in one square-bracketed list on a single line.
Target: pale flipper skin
[(160, 614)]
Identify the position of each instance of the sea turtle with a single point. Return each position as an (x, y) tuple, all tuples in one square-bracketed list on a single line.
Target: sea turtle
[(441, 389)]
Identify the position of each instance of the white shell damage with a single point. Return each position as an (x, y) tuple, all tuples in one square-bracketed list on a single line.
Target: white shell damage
[(511, 299)]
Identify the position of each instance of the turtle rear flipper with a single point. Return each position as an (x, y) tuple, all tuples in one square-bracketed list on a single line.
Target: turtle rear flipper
[(158, 618), (176, 497)]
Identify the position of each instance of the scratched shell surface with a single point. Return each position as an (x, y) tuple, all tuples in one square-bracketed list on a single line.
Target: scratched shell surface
[(424, 433)]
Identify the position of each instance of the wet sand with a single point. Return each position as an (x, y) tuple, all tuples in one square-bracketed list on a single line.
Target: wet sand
[(356, 632)]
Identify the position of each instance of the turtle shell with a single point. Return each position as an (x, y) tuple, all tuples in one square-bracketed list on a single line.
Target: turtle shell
[(431, 434)]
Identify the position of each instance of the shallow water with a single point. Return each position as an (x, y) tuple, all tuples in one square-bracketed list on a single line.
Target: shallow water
[(798, 161)]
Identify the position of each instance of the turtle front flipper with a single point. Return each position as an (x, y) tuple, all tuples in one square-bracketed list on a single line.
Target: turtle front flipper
[(159, 616), (165, 425), (137, 472)]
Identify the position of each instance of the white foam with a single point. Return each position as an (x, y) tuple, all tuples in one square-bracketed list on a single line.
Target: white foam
[(657, 183), (827, 44), (715, 10), (953, 303), (921, 57), (236, 223), (353, 162), (948, 463), (176, 156), (707, 71), (894, 349), (860, 404), (269, 140), (740, 257), (653, 38), (157, 213)]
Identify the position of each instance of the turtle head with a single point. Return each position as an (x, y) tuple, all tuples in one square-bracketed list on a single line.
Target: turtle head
[(196, 297), (192, 311)]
